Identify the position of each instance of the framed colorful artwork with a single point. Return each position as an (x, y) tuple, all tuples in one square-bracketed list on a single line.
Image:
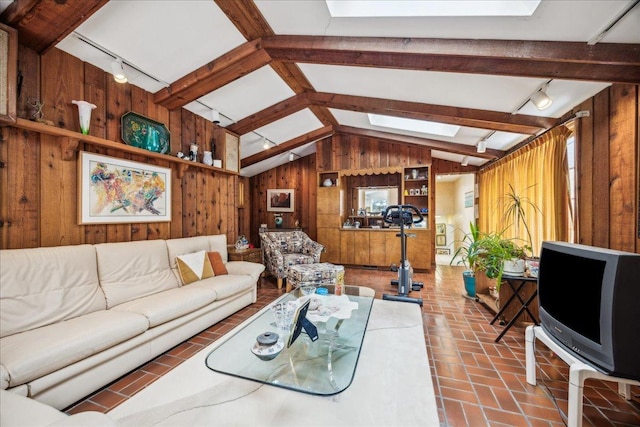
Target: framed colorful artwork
[(113, 190), (280, 200)]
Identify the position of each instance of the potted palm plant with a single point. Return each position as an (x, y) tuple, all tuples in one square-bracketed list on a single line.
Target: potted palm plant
[(467, 254)]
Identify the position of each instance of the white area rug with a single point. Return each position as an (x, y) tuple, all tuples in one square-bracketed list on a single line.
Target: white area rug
[(392, 387)]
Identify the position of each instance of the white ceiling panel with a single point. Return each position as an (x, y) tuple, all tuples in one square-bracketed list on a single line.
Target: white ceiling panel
[(548, 23), (466, 135), (463, 90), (167, 39), (280, 131), (249, 94), (278, 160)]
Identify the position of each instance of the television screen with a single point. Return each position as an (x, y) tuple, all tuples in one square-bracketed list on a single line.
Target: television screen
[(590, 303)]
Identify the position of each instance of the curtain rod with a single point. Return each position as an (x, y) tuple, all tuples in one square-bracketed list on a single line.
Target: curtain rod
[(577, 115)]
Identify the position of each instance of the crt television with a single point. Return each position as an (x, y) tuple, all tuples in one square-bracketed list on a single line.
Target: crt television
[(590, 303)]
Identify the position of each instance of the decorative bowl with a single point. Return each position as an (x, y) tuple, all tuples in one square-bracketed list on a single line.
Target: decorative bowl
[(267, 346)]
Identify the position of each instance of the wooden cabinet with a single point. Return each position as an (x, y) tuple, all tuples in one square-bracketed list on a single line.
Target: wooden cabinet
[(419, 249), (347, 241), (328, 221), (378, 248)]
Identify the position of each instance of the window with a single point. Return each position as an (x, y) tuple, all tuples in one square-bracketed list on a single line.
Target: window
[(376, 199)]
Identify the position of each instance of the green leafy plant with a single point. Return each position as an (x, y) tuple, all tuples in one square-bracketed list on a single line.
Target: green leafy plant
[(468, 252), (514, 212)]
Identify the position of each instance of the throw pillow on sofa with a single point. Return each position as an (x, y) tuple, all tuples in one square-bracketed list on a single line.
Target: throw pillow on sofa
[(193, 267), (216, 262)]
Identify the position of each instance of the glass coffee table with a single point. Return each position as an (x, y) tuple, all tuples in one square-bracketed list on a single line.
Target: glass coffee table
[(324, 367)]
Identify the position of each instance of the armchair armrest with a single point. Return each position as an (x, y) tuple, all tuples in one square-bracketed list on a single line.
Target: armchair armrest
[(315, 249)]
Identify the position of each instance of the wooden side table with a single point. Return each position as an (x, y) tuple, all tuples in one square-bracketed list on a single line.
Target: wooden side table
[(250, 255)]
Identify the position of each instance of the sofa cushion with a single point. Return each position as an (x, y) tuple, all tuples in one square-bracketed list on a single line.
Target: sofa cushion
[(32, 354), (216, 262), (186, 245), (218, 243), (193, 267), (131, 270), (41, 286), (228, 285), (168, 305)]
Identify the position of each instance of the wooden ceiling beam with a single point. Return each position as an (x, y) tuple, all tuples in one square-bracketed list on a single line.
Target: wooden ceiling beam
[(466, 150), (42, 24), (483, 119), (288, 146), (604, 62), (237, 63), (270, 114)]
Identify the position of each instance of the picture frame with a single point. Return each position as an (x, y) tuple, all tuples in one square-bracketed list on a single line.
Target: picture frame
[(8, 74), (468, 199), (441, 240), (115, 191), (280, 200), (441, 228), (231, 152)]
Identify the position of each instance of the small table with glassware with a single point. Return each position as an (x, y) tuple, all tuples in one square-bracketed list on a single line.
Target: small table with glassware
[(323, 367)]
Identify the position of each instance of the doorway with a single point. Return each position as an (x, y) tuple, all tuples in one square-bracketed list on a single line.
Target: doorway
[(454, 211)]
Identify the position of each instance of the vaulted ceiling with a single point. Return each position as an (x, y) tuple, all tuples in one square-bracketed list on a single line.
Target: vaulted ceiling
[(289, 72)]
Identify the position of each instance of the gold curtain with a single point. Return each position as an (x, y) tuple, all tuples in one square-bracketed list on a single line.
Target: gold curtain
[(538, 173)]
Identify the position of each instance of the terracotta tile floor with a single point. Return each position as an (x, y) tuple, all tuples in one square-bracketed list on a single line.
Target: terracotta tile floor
[(477, 382)]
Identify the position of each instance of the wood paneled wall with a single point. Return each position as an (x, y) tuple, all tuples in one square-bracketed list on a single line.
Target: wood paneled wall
[(354, 152), (608, 150), (299, 175), (39, 199)]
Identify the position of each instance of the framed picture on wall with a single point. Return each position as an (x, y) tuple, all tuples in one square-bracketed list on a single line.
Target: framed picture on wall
[(441, 240), (441, 228), (468, 199), (280, 200), (113, 190)]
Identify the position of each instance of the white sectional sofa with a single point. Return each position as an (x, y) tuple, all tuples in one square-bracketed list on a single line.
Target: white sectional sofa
[(75, 318)]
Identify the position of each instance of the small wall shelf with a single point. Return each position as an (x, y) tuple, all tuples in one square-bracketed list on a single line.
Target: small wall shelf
[(70, 140)]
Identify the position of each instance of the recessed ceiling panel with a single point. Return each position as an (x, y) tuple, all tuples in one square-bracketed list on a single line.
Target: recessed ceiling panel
[(466, 135), (576, 20), (249, 94), (166, 39), (463, 90), (283, 130)]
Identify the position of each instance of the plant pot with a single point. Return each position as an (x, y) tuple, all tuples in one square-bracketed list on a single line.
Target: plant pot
[(469, 283), (513, 267)]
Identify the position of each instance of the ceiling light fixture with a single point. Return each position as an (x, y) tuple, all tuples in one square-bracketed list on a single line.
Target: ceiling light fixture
[(291, 156), (540, 99), (117, 70), (265, 143), (215, 116), (482, 146), (465, 161)]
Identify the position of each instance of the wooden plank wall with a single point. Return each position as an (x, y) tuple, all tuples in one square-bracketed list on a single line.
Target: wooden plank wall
[(608, 151), (299, 175), (39, 196)]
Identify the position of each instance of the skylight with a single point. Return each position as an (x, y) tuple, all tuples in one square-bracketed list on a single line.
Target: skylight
[(407, 8), (421, 126)]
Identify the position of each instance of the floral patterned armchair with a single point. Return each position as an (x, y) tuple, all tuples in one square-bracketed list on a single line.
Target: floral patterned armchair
[(281, 249)]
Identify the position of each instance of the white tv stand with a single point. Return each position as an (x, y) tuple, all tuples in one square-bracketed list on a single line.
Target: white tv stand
[(579, 371)]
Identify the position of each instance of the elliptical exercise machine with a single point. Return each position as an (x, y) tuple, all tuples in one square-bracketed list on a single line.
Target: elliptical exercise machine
[(403, 215)]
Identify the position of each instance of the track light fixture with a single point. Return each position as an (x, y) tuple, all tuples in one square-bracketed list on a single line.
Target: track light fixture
[(540, 98), (117, 69), (215, 116), (482, 146), (465, 161), (265, 143), (291, 156)]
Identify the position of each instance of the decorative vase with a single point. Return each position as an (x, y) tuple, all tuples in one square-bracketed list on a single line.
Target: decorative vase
[(414, 173), (193, 152), (84, 110), (207, 158), (279, 222), (327, 183)]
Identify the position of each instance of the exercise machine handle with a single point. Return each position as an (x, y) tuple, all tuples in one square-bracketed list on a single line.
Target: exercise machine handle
[(402, 214)]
